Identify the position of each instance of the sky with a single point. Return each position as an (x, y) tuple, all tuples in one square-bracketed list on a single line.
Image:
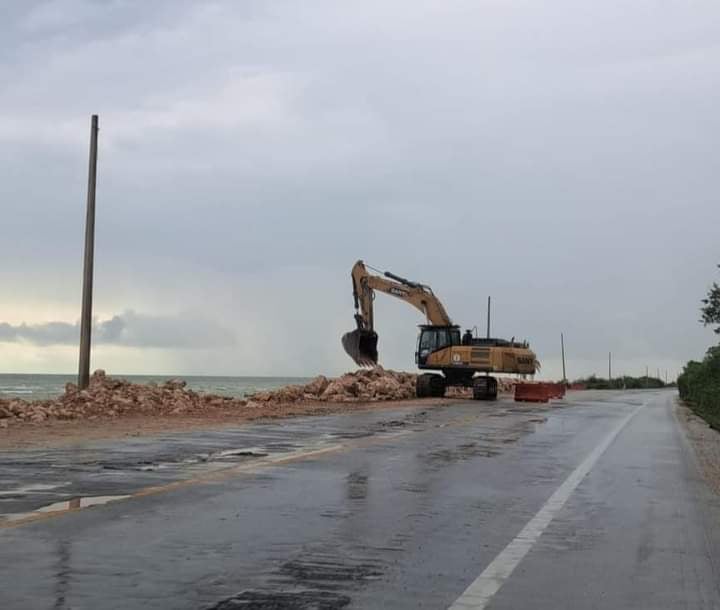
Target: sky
[(560, 156)]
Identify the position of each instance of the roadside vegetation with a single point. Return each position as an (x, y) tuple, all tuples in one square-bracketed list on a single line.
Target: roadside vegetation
[(699, 383), (622, 383)]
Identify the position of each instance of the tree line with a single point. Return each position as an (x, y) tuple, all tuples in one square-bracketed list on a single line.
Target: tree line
[(625, 382), (699, 383)]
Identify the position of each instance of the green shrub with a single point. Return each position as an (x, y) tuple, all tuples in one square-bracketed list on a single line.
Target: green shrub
[(621, 383), (699, 386)]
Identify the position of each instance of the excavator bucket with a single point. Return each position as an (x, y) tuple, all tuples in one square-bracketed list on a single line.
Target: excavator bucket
[(361, 346)]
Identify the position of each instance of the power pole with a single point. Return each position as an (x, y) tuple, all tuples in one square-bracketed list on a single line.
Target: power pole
[(562, 349), (647, 376), (488, 320), (609, 366), (87, 291)]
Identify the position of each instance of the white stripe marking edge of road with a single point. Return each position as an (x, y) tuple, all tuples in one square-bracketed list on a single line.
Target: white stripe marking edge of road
[(484, 587)]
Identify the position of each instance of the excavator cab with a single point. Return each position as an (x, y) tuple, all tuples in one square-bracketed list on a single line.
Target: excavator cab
[(433, 338)]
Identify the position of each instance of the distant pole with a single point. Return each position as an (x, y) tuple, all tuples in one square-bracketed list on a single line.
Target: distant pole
[(647, 376), (488, 320), (609, 366), (562, 349), (86, 316)]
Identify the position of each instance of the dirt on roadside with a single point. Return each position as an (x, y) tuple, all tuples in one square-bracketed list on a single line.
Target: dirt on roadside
[(705, 442), (53, 433)]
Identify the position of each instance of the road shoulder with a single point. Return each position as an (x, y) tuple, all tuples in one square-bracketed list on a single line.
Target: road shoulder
[(705, 443)]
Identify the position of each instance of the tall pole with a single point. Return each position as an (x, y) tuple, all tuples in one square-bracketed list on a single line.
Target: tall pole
[(647, 376), (562, 349), (609, 366), (88, 264), (488, 320)]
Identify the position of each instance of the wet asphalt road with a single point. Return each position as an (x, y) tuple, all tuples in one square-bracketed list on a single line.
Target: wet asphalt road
[(401, 508)]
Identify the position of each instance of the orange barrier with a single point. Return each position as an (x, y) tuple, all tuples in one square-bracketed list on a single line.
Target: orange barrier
[(556, 390), (531, 392)]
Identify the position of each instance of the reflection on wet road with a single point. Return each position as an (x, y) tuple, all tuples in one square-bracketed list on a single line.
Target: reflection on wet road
[(400, 509)]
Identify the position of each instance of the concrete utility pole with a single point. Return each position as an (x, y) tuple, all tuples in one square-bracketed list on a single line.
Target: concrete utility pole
[(87, 291), (488, 320), (609, 366), (647, 376), (562, 349)]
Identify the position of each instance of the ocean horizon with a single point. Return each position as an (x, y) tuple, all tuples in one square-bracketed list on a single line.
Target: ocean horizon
[(41, 386)]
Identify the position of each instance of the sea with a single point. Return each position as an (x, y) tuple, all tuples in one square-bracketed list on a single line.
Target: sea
[(40, 387)]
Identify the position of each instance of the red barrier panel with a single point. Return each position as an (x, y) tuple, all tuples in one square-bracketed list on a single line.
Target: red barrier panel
[(531, 392), (556, 390)]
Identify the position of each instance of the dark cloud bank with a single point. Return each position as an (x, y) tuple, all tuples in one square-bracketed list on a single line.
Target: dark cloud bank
[(129, 329)]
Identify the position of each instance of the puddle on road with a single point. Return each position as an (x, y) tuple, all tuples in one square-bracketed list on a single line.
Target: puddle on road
[(327, 572), (23, 490), (490, 443), (169, 464), (233, 453), (268, 600), (60, 507), (357, 486), (463, 452), (312, 581), (392, 423), (349, 435), (418, 488)]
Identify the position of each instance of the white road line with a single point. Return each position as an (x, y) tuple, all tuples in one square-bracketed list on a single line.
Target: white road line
[(484, 587)]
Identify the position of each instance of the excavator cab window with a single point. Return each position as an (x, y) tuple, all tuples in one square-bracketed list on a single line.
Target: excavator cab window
[(431, 340), (427, 343), (447, 337)]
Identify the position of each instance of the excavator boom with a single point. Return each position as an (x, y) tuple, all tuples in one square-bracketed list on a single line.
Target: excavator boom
[(361, 344)]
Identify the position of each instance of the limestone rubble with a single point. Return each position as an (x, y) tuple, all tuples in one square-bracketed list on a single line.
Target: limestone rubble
[(108, 397), (364, 385)]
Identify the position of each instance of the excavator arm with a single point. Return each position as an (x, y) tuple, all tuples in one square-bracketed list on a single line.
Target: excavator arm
[(361, 344)]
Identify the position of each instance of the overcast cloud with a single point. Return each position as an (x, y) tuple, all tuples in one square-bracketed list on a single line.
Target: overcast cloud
[(560, 156), (128, 329)]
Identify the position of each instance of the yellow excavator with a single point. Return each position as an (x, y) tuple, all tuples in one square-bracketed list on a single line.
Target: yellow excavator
[(440, 346)]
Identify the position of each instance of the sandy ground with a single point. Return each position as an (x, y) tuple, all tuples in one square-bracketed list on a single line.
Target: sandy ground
[(706, 443), (52, 433)]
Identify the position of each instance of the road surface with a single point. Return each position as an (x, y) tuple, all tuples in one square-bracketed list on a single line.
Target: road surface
[(592, 502)]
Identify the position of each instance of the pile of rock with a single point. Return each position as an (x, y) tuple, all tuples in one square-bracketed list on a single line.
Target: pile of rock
[(108, 397), (506, 385), (365, 385)]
